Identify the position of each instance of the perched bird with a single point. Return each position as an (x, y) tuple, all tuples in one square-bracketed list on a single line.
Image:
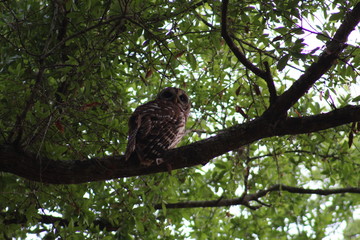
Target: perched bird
[(157, 126)]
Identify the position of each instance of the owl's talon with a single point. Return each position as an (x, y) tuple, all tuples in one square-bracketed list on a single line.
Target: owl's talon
[(169, 168), (159, 161)]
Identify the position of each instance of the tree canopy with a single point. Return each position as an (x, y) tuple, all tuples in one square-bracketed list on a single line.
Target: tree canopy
[(271, 150)]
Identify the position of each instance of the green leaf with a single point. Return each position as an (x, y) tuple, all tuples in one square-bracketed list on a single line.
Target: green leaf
[(336, 16), (356, 99), (282, 62), (191, 60)]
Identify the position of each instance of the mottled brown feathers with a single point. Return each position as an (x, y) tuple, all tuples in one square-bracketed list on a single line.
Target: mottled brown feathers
[(157, 126)]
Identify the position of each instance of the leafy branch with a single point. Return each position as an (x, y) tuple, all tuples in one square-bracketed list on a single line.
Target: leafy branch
[(246, 199), (15, 218)]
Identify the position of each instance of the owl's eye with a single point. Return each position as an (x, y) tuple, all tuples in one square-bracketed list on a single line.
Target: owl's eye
[(167, 95), (183, 98)]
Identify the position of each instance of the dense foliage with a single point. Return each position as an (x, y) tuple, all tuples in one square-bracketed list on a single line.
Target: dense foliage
[(71, 73)]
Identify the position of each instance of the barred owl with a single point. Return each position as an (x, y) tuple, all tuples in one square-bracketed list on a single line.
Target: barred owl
[(157, 126)]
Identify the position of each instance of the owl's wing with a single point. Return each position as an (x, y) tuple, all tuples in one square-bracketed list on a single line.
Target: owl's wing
[(139, 126), (134, 123), (153, 130), (165, 132)]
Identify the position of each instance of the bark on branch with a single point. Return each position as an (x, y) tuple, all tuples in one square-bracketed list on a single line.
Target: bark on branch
[(47, 170)]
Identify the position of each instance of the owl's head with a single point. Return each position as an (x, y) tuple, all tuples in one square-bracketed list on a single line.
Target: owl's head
[(177, 96)]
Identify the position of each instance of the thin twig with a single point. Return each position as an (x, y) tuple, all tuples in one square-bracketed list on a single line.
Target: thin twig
[(266, 75), (241, 57), (246, 199)]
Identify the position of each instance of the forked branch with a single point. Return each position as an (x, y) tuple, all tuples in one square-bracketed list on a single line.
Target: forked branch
[(313, 73)]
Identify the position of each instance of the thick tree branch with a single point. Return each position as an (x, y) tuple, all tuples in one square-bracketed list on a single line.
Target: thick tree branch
[(47, 170), (246, 199), (317, 69), (318, 122)]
